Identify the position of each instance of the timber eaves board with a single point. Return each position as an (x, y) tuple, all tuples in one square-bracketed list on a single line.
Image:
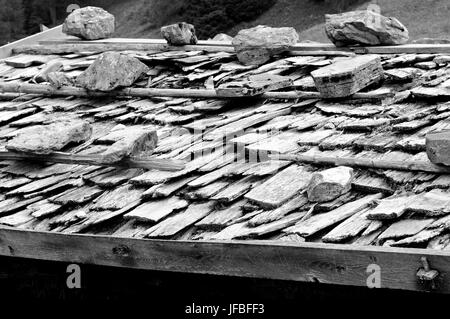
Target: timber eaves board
[(305, 262)]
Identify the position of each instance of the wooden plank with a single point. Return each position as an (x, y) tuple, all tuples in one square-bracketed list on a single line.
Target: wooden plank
[(127, 40), (355, 161), (255, 85), (96, 160), (48, 90), (219, 46), (302, 262), (56, 32)]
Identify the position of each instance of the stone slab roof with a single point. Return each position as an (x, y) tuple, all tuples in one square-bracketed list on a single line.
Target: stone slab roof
[(228, 189)]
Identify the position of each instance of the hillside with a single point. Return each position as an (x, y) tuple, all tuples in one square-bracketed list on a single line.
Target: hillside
[(300, 14), (143, 18), (424, 18)]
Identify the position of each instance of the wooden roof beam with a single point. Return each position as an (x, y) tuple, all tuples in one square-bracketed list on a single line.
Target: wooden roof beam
[(349, 265), (96, 160), (48, 90), (72, 46)]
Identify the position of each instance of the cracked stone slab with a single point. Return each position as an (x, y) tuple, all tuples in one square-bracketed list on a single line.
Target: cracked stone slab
[(45, 139)]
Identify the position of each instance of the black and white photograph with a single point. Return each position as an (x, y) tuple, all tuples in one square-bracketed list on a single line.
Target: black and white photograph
[(224, 158)]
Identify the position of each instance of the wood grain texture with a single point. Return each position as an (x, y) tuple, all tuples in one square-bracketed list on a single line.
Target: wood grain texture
[(353, 161), (66, 158), (48, 90), (324, 263), (59, 47)]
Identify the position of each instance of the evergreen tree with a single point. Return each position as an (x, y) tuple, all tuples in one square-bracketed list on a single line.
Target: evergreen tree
[(11, 21)]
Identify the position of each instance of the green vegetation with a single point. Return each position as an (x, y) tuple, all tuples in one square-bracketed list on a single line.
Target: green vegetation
[(423, 18), (212, 17), (19, 18), (143, 18), (10, 13), (300, 14)]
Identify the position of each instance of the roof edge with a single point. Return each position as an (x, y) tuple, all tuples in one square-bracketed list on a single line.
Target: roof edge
[(324, 263), (53, 33)]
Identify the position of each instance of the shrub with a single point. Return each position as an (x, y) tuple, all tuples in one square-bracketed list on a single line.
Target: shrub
[(211, 17)]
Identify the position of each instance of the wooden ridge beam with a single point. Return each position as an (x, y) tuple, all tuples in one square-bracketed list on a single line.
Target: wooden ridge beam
[(66, 48), (66, 158), (348, 265), (48, 90), (415, 166), (71, 45), (75, 40)]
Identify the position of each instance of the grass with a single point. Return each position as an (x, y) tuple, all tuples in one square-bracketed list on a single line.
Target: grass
[(423, 18), (143, 18), (300, 14)]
